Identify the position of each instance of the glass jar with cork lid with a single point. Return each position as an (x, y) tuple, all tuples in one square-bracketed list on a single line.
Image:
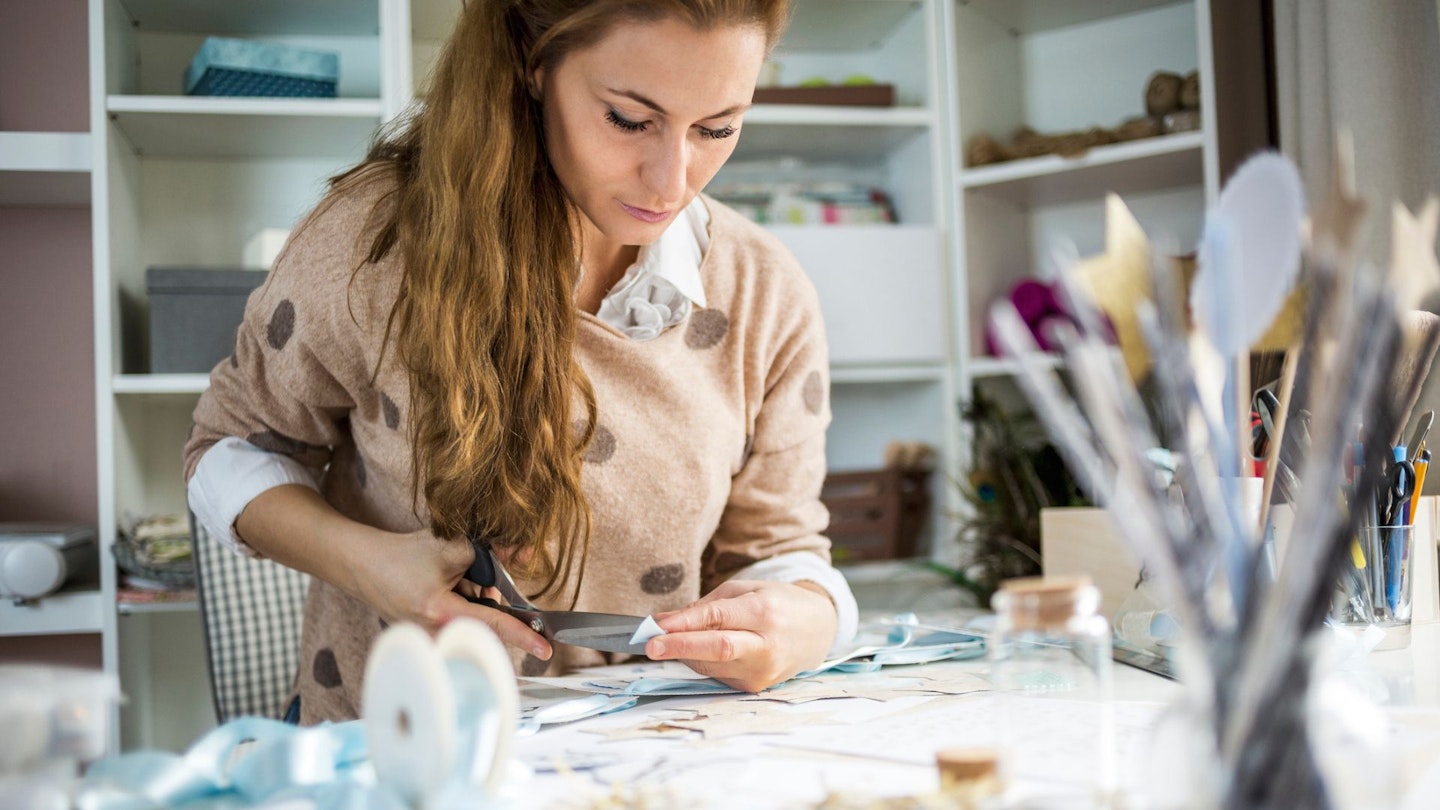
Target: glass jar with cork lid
[(1051, 667)]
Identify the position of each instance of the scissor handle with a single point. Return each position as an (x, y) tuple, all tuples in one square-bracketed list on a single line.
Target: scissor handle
[(534, 619), (482, 570), (487, 572)]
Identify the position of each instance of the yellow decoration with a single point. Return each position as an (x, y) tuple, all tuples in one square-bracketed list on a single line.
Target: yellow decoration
[(1119, 279)]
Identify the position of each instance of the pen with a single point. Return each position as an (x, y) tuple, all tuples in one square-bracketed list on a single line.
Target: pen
[(1422, 463)]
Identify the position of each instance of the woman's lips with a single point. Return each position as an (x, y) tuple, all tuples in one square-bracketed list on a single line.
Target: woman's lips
[(644, 215)]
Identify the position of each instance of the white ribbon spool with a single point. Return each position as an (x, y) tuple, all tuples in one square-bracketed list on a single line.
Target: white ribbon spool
[(441, 714)]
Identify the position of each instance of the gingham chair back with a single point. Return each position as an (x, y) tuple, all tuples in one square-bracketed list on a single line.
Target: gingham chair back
[(251, 611)]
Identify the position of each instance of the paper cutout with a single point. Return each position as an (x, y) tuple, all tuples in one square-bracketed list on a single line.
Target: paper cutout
[(570, 761), (1250, 253), (728, 725), (647, 630), (652, 730), (1414, 271), (899, 644)]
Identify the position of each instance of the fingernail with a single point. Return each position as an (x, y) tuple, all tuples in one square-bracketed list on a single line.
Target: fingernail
[(657, 648), (540, 651)]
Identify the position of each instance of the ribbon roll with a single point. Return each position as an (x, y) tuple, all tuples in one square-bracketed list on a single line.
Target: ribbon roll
[(440, 716)]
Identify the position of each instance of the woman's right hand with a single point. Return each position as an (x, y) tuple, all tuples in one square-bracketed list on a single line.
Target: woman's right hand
[(405, 577), (419, 578)]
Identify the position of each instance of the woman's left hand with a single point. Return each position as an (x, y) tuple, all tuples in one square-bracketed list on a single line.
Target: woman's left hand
[(749, 635)]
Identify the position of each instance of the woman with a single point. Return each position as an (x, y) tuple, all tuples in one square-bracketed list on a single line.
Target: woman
[(517, 320)]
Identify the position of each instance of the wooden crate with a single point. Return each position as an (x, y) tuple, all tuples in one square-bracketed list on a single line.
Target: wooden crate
[(876, 514)]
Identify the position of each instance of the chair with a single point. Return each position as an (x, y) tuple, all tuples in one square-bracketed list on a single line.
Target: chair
[(251, 611)]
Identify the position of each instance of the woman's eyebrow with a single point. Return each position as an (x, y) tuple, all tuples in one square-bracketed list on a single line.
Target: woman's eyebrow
[(728, 111)]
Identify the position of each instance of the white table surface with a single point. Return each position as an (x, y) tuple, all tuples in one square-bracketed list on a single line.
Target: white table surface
[(779, 770), (782, 771)]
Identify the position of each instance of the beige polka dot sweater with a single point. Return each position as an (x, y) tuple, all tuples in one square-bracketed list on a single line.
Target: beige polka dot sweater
[(709, 453)]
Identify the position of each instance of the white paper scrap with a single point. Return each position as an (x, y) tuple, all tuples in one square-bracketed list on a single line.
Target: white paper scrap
[(647, 630)]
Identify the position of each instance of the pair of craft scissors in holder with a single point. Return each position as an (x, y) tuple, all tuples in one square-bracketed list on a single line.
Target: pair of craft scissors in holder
[(608, 632)]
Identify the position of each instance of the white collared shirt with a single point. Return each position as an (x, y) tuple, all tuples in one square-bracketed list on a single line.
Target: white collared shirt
[(660, 288)]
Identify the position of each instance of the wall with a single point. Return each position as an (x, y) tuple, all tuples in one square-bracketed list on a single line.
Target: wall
[(44, 66), (47, 367)]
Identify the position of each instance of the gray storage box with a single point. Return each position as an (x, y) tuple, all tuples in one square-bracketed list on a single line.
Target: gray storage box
[(194, 315)]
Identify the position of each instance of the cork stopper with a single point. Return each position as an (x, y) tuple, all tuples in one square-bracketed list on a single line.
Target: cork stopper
[(1043, 602), (973, 773)]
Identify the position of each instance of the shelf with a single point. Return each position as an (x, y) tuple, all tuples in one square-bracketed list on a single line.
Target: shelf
[(1167, 161), (45, 168), (161, 384), (826, 134), (207, 127), (865, 375), (182, 601), (77, 611), (838, 116), (45, 151), (1003, 366), (269, 17), (135, 608), (1022, 17)]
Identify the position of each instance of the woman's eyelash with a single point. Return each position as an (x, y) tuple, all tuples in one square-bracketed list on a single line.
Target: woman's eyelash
[(718, 134), (627, 125), (624, 123)]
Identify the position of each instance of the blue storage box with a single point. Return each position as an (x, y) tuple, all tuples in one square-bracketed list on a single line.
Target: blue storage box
[(239, 67)]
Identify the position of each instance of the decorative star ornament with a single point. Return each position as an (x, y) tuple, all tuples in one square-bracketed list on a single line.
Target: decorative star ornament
[(1414, 271), (1119, 279)]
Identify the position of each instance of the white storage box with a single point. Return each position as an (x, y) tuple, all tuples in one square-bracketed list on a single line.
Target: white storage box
[(881, 289)]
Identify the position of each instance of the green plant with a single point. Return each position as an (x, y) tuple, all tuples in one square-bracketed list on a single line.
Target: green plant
[(1014, 473)]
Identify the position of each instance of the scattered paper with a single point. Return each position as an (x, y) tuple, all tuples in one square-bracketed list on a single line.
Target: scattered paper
[(652, 730), (1055, 725)]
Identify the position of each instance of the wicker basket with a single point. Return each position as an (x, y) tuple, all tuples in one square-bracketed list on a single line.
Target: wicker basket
[(178, 574), (876, 514)]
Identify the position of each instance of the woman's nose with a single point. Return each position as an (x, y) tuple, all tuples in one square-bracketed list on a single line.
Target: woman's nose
[(665, 170)]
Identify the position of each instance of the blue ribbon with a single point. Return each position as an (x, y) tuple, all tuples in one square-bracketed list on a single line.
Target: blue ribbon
[(325, 764)]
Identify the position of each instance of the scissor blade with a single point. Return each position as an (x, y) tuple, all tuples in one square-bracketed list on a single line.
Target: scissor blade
[(607, 632)]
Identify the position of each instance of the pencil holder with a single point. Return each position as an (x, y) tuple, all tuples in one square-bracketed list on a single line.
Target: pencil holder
[(1376, 585)]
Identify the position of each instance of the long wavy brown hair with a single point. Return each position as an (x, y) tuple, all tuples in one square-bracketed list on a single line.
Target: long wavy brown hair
[(485, 319)]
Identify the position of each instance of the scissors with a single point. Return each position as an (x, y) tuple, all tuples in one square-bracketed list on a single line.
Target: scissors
[(1267, 406), (607, 632), (1399, 487)]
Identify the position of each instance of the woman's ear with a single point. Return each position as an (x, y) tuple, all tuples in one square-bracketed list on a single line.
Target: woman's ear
[(534, 82)]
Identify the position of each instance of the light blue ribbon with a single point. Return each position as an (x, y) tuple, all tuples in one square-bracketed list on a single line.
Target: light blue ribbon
[(327, 765), (324, 763)]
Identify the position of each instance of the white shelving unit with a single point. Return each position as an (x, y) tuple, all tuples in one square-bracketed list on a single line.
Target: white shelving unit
[(883, 288), (44, 168), (78, 609), (180, 181), (185, 181), (1060, 66)]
